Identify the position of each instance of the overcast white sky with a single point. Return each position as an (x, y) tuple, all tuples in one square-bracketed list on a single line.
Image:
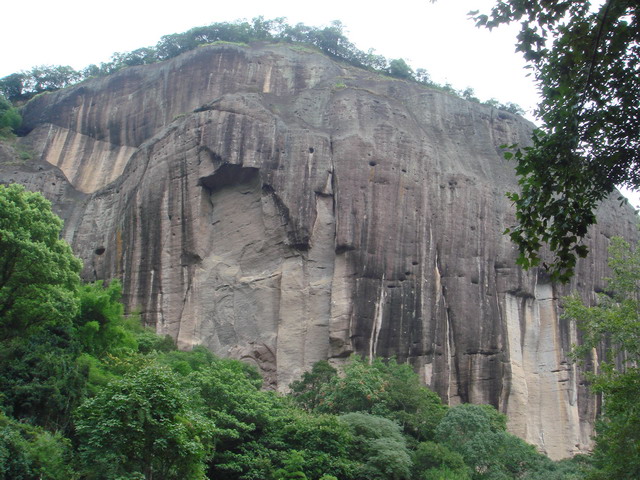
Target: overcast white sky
[(438, 37)]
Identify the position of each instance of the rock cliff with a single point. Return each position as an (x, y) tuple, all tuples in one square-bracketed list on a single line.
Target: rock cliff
[(282, 208)]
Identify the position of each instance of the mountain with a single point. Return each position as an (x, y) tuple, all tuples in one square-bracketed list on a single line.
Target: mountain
[(280, 207)]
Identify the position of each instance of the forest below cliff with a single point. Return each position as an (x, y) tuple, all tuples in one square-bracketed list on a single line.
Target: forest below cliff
[(88, 393)]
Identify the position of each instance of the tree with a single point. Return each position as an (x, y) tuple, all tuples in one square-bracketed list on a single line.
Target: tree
[(140, 56), (325, 442), (361, 388), (43, 78), (380, 446), (417, 409), (292, 469), (586, 61), (332, 40), (144, 424), (399, 68), (613, 325), (28, 452), (422, 76), (507, 107), (40, 379), (100, 324), (14, 458), (39, 275), (469, 94), (10, 119), (309, 391), (48, 78), (256, 431), (478, 434), (52, 329), (391, 390), (435, 461), (248, 420), (11, 86)]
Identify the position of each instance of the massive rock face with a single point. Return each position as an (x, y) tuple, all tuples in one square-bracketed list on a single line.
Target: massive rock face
[(282, 208)]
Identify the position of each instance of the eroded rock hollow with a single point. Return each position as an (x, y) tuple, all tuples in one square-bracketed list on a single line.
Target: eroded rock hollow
[(283, 208)]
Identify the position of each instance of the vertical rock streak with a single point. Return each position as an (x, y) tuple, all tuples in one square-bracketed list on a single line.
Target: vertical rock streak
[(376, 325)]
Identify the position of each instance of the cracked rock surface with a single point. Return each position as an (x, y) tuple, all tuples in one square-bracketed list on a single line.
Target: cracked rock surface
[(282, 208)]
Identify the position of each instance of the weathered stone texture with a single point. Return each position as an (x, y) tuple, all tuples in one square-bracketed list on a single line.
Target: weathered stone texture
[(282, 208)]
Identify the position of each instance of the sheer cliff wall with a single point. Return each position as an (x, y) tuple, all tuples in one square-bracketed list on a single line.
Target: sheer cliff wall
[(282, 208)]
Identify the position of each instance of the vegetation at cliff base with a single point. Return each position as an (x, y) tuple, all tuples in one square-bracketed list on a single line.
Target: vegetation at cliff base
[(585, 57), (88, 393)]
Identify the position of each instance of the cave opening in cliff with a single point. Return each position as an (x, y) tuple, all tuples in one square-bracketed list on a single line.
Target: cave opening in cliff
[(229, 174)]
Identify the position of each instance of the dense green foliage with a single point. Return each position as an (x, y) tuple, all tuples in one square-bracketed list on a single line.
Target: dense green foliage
[(436, 461), (38, 272), (10, 119), (87, 393), (39, 283), (28, 452), (380, 446), (613, 328), (478, 434), (390, 390), (143, 425), (331, 40), (43, 78), (586, 60)]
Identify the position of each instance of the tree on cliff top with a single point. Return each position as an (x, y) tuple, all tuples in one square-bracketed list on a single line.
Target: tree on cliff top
[(586, 61), (9, 118)]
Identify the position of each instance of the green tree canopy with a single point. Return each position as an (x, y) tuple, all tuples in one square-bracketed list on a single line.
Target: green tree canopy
[(11, 86), (435, 461), (39, 275), (399, 68), (42, 78), (292, 469), (147, 424), (257, 430), (10, 119), (100, 324), (612, 327), (40, 379), (28, 452), (478, 434), (380, 446), (389, 389), (585, 57), (309, 390)]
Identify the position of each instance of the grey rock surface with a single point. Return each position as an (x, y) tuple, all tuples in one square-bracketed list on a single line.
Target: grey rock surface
[(282, 208)]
